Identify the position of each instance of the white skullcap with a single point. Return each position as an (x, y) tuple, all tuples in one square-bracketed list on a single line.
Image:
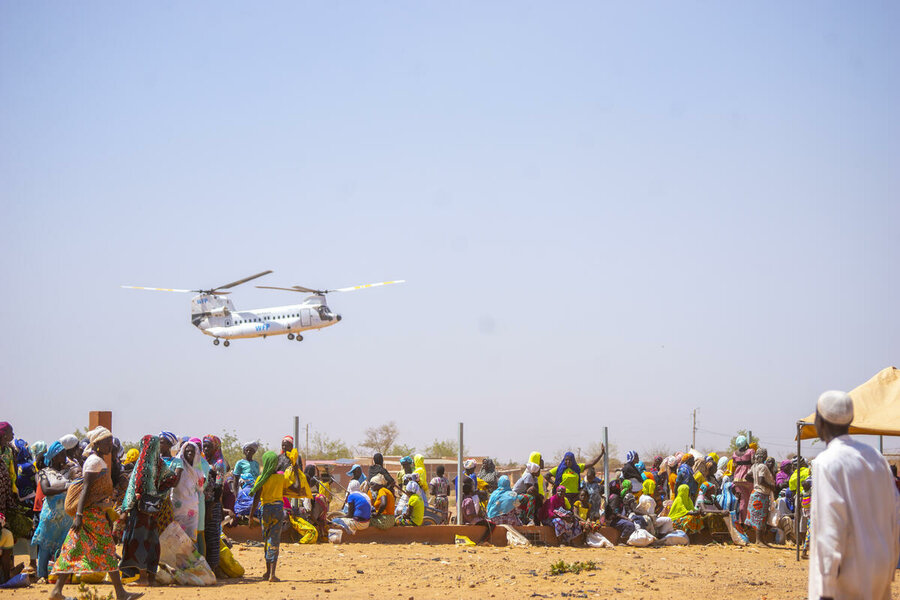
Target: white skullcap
[(836, 407), (68, 441), (469, 464), (533, 468)]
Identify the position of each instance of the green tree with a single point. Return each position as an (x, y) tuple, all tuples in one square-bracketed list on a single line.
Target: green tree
[(443, 449), (381, 438), (400, 450), (232, 448), (323, 447), (741, 432)]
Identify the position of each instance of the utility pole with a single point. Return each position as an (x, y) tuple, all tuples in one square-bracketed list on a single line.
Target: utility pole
[(307, 441), (694, 437)]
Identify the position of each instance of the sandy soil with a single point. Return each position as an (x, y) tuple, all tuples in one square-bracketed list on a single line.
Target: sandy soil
[(419, 571)]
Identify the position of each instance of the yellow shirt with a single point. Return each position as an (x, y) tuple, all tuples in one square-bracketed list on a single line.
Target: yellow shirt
[(582, 511), (417, 509), (273, 489), (305, 491)]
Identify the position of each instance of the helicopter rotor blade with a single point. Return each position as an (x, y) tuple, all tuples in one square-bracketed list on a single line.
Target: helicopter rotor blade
[(153, 289), (367, 285), (240, 281), (290, 289)]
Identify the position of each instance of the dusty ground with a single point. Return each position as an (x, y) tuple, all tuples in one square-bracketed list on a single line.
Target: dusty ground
[(449, 572)]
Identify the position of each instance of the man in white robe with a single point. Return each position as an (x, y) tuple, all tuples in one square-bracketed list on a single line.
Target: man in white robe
[(855, 537)]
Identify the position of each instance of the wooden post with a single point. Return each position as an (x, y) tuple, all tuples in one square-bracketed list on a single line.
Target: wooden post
[(101, 418)]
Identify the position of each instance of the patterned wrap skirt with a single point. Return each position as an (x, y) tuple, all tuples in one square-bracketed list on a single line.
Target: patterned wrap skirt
[(90, 550), (757, 510), (140, 542), (271, 521)]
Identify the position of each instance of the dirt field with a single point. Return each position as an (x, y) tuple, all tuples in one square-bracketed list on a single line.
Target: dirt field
[(449, 572)]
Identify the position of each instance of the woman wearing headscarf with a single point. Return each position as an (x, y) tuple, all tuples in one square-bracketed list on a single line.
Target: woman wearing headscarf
[(743, 460), (557, 500), (682, 512), (382, 500), (89, 546), (685, 475), (268, 491), (630, 469), (501, 508), (358, 509), (246, 470), (188, 491), (535, 458), (377, 468), (488, 475), (784, 475), (720, 469), (419, 468), (413, 514), (729, 502), (318, 512), (212, 500), (149, 481), (568, 473), (471, 505), (9, 500), (763, 485), (53, 523)]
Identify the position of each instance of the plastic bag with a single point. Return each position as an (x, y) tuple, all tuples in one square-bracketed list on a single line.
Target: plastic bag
[(664, 526), (597, 540), (229, 565), (176, 551), (641, 538), (335, 535), (676, 538), (462, 540), (308, 533)]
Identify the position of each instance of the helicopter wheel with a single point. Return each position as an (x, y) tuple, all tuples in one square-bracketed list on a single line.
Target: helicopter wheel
[(299, 338), (216, 342), (290, 336), (226, 343)]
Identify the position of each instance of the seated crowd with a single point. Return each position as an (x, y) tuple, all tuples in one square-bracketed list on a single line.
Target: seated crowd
[(75, 500)]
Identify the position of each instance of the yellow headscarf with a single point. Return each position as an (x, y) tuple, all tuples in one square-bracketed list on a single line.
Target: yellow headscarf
[(419, 467), (536, 459), (290, 477), (682, 504), (649, 487), (131, 456)]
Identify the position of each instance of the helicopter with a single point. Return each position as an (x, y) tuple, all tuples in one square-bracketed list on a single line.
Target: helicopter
[(216, 316)]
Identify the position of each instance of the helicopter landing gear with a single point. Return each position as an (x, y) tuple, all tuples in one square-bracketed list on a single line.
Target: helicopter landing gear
[(299, 338), (290, 336), (216, 342), (226, 343)]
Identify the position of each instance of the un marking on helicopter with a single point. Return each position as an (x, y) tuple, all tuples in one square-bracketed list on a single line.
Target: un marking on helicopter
[(216, 316)]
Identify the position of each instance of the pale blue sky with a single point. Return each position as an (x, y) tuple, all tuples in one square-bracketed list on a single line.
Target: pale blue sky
[(607, 215)]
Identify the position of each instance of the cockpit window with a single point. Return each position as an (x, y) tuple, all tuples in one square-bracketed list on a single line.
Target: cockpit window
[(325, 313)]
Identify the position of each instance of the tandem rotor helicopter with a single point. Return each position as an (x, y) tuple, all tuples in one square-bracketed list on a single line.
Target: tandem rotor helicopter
[(216, 316)]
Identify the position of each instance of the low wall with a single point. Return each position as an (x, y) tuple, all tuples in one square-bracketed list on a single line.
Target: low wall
[(431, 534)]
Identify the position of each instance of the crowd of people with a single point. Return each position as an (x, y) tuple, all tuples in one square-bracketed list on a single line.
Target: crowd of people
[(75, 500)]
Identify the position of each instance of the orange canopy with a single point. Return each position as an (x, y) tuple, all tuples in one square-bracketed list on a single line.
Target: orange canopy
[(876, 407)]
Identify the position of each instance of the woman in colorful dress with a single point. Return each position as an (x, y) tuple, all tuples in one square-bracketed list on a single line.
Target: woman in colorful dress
[(758, 506), (166, 515), (54, 523), (501, 508), (89, 546), (149, 482), (268, 490), (212, 496), (188, 490)]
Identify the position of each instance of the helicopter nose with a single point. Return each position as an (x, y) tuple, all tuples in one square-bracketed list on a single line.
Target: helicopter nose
[(338, 317)]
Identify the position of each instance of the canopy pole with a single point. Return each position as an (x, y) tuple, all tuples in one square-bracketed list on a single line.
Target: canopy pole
[(606, 464), (459, 477), (797, 495), (881, 444)]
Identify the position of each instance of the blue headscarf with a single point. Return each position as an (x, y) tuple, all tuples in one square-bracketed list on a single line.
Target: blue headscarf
[(741, 442), (563, 466), (54, 449), (502, 500), (727, 500), (169, 437), (631, 456)]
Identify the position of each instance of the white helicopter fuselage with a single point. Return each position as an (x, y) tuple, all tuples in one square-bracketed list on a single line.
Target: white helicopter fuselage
[(216, 317)]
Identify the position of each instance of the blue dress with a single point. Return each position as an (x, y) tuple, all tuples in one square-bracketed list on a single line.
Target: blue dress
[(54, 524)]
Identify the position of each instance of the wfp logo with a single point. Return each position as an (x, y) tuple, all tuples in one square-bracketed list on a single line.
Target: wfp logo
[(263, 327)]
